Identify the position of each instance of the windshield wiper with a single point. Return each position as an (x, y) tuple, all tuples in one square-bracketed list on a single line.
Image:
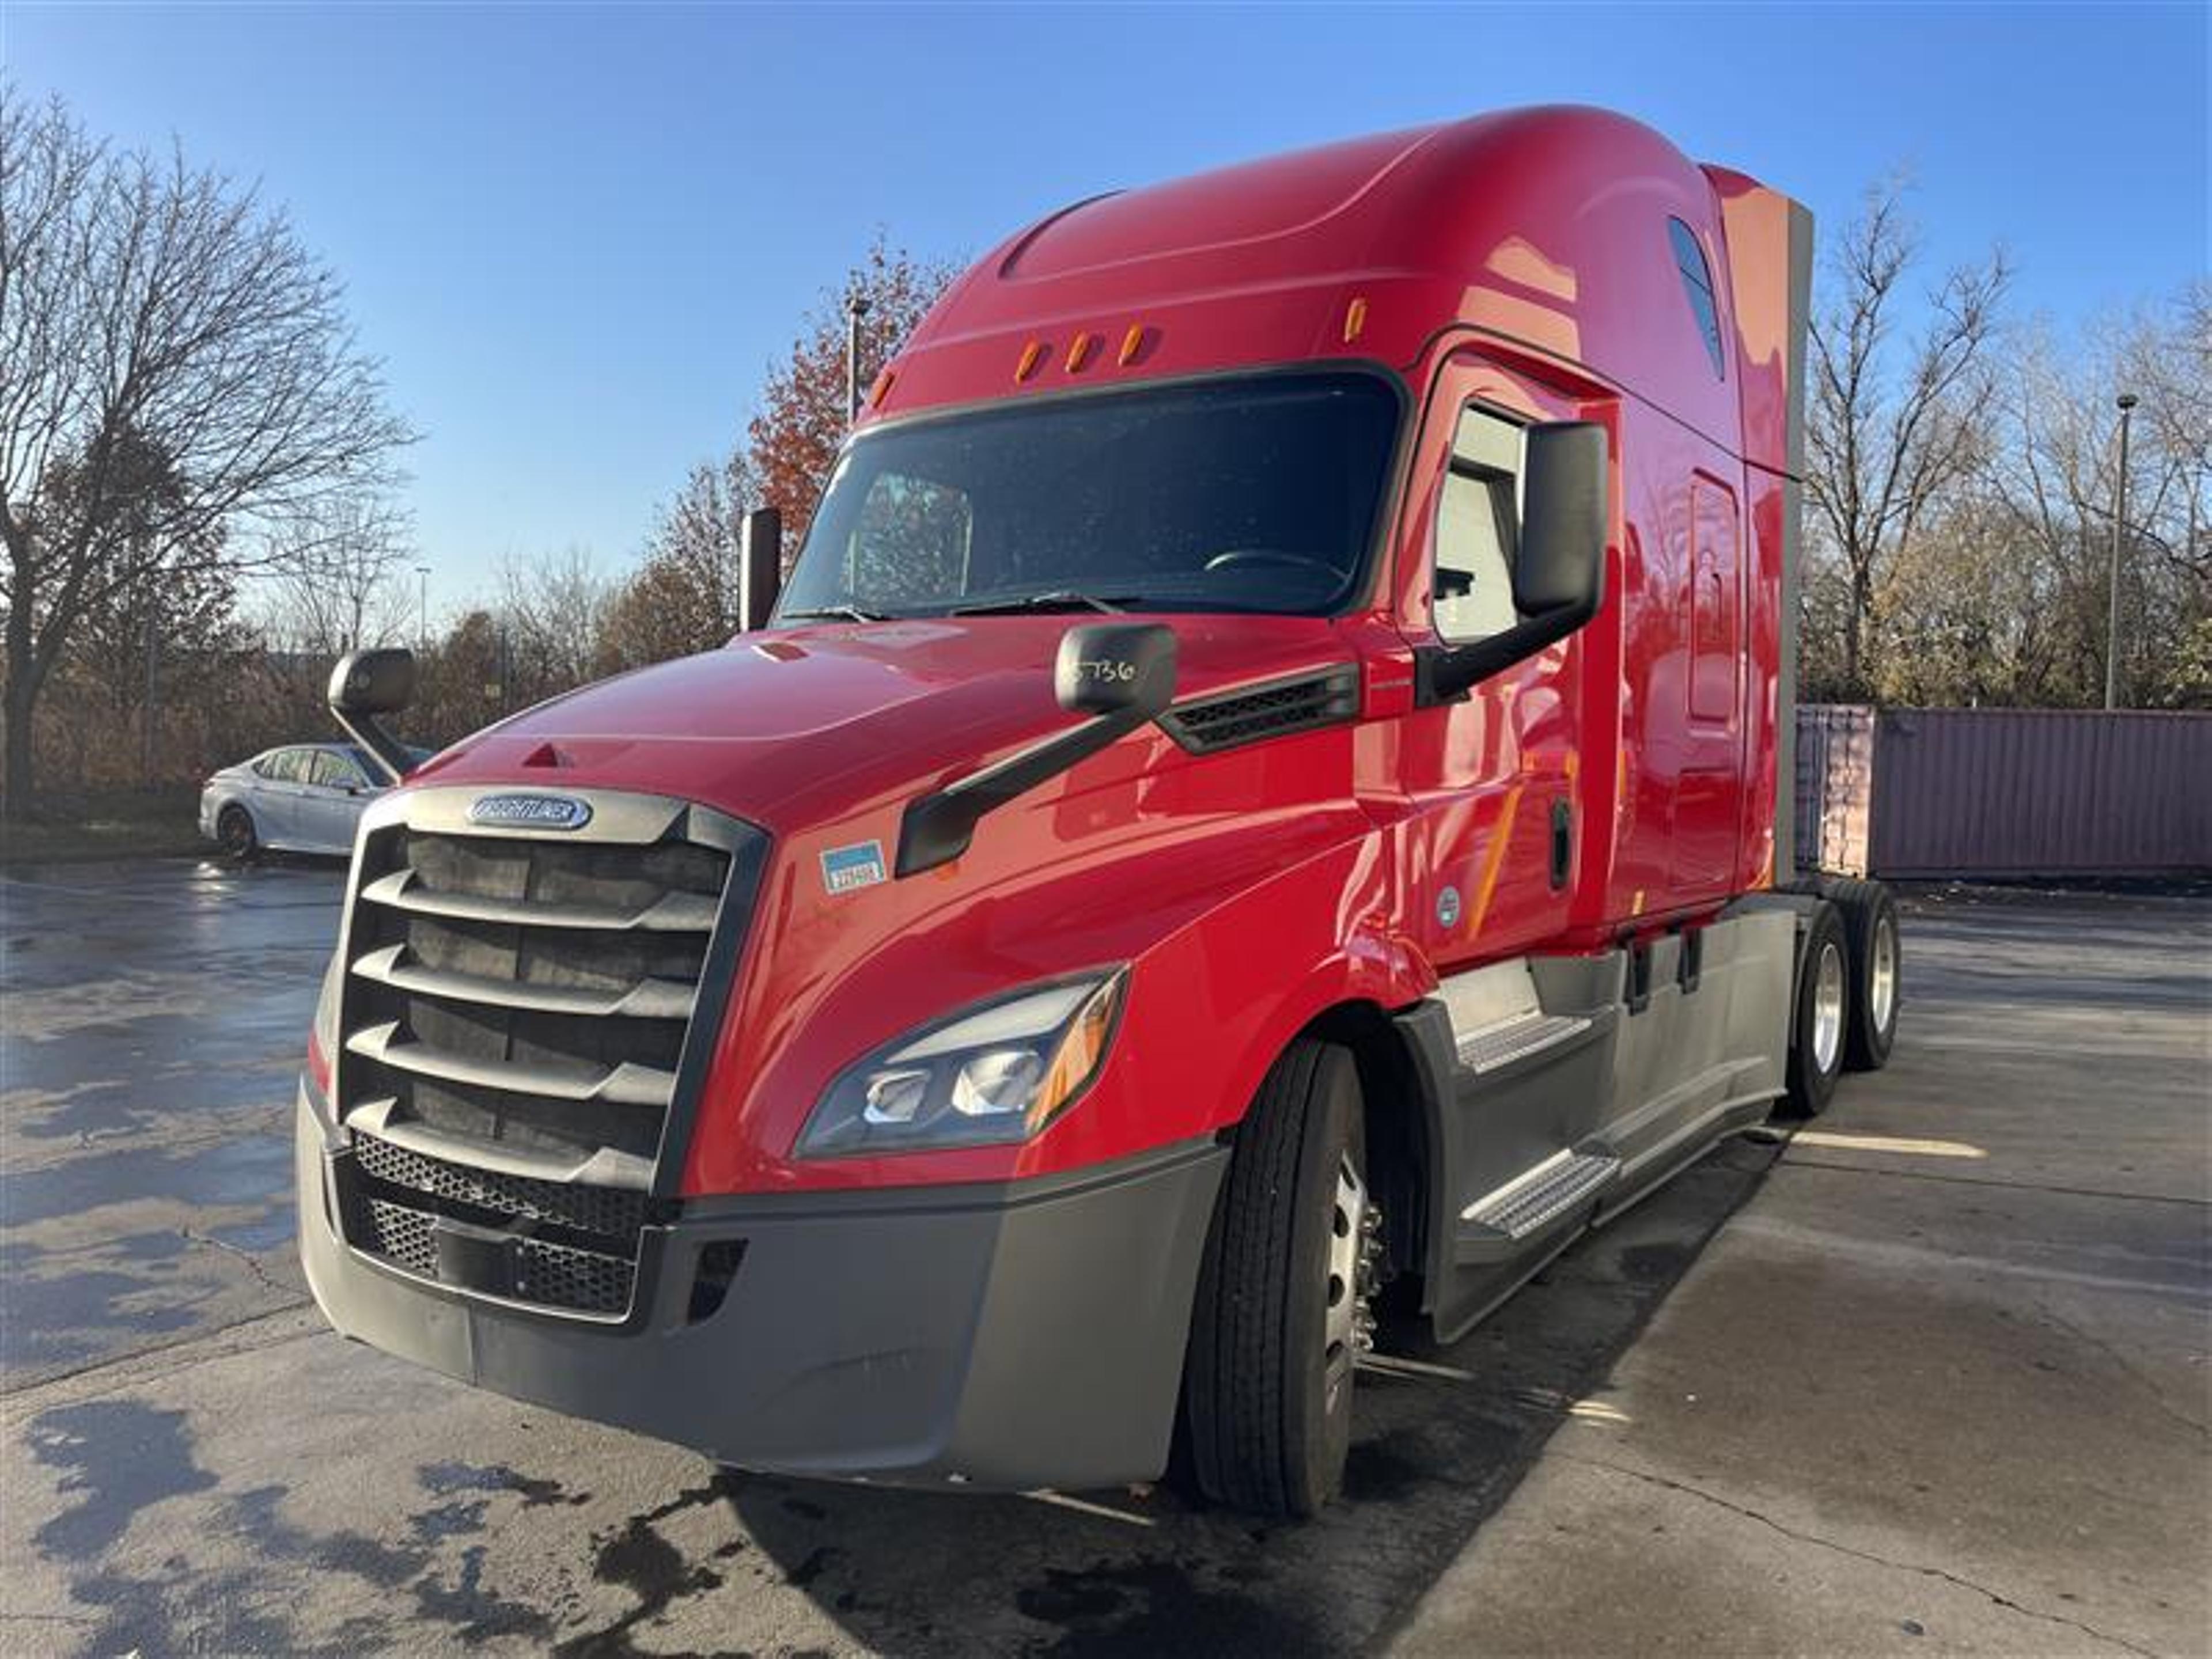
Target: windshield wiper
[(1059, 599), (834, 613)]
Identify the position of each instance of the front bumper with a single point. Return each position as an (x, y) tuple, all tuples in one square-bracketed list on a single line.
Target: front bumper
[(1007, 1337)]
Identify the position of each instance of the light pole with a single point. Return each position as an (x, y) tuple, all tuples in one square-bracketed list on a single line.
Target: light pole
[(423, 617), (855, 308), (2127, 403)]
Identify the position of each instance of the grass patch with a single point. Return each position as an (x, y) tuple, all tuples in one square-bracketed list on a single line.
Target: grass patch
[(111, 824)]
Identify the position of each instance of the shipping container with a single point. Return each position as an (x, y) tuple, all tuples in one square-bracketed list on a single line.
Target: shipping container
[(2003, 792)]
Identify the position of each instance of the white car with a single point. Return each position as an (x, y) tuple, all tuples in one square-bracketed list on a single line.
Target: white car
[(303, 798)]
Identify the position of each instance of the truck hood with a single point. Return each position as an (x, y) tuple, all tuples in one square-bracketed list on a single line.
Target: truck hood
[(804, 726)]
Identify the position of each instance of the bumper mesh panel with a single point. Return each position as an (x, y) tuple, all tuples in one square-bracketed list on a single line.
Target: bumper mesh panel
[(551, 1274), (605, 1211)]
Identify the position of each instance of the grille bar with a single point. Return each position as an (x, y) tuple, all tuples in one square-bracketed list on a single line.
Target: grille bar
[(678, 913), (624, 1084), (644, 999)]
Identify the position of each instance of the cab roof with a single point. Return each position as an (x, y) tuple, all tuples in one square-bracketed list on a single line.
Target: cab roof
[(1548, 226)]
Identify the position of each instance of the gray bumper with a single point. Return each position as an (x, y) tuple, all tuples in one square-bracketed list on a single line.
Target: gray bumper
[(1008, 1337)]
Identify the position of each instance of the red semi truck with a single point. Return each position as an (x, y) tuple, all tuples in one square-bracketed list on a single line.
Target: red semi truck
[(1262, 801)]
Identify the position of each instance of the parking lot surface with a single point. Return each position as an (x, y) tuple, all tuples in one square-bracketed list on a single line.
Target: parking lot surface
[(1909, 1399)]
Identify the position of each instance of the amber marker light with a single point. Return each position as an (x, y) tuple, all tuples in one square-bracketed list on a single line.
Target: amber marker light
[(881, 389), (1132, 343), (1032, 355), (1079, 353), (1355, 319), (1081, 1052)]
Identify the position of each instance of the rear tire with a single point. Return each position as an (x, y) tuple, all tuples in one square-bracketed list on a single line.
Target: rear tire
[(1876, 957), (236, 834), (1280, 1312), (1820, 1016)]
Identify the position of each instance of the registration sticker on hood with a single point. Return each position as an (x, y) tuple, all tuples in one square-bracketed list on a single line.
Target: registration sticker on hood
[(845, 869)]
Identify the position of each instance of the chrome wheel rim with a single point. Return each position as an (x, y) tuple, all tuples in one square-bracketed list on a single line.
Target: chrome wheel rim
[(1881, 974), (1354, 1241), (1828, 1007)]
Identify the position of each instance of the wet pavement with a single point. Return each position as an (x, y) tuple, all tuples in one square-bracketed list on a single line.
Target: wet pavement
[(191, 1462)]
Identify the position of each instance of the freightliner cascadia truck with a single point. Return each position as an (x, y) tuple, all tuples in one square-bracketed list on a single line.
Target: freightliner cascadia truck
[(1263, 805)]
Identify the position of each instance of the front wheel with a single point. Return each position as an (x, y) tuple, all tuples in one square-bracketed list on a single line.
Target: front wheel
[(234, 833), (1281, 1313)]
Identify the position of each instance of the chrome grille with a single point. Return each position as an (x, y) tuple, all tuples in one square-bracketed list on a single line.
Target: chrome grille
[(519, 1031)]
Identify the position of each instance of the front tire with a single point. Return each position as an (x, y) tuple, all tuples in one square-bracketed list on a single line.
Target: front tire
[(1281, 1313), (236, 834)]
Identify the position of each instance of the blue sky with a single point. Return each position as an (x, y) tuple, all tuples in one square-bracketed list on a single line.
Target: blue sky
[(578, 236)]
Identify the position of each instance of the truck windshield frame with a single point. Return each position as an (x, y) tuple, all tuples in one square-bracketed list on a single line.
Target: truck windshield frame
[(1263, 492)]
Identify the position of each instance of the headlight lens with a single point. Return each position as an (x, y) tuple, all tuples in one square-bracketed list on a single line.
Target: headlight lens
[(988, 1075)]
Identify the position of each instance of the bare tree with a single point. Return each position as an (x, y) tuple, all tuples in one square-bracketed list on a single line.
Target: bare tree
[(176, 372), (1893, 422), (551, 613), (336, 578)]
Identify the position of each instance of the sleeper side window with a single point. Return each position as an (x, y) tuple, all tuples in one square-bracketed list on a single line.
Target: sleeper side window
[(1478, 522), (1698, 289)]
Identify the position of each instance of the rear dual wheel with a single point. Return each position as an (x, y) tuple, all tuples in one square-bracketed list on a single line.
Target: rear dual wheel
[(1281, 1314), (1820, 1016), (1876, 958)]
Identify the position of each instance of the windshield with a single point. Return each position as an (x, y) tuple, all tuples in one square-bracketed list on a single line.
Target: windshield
[(1257, 493)]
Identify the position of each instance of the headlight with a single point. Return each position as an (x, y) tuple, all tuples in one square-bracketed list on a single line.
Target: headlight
[(996, 1072)]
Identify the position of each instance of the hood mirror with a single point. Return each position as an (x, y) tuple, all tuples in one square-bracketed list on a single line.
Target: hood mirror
[(1113, 668), (367, 683), (1121, 674)]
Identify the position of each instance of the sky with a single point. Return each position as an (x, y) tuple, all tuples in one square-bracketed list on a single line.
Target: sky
[(579, 236)]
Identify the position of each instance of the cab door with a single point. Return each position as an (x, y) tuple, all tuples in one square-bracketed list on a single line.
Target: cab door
[(1491, 776)]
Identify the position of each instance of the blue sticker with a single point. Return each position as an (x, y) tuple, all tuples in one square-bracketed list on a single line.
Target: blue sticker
[(845, 869), (1448, 908)]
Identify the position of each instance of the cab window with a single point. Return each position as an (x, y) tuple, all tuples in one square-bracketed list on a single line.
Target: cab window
[(1478, 520)]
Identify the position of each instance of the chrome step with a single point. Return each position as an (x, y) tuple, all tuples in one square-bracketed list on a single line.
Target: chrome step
[(1489, 1046), (1532, 1201)]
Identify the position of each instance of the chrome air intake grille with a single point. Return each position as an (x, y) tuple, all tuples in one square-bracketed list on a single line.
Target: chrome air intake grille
[(526, 1016), (1328, 697)]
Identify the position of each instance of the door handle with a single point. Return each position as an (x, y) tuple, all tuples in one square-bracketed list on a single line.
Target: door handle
[(1563, 842)]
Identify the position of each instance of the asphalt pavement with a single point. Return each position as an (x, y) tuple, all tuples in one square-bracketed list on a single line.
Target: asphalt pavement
[(1944, 1400)]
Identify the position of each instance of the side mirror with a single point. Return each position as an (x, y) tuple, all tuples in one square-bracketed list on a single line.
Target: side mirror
[(365, 684), (1121, 674), (1116, 668), (1560, 563), (1559, 570), (760, 567)]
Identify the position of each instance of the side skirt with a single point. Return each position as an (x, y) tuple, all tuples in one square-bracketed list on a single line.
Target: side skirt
[(1562, 1088)]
